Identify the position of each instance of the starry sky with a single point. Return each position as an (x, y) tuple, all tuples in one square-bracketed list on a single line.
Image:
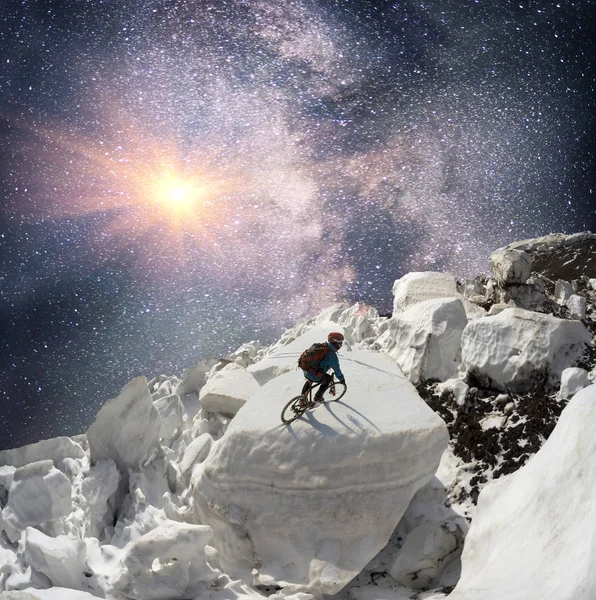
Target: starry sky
[(179, 177)]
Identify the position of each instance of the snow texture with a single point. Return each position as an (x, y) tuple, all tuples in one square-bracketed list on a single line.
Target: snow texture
[(168, 563), (533, 535), (507, 349), (420, 286), (573, 380), (228, 390), (126, 428), (425, 339), (56, 449), (38, 493), (171, 413), (61, 559), (311, 503)]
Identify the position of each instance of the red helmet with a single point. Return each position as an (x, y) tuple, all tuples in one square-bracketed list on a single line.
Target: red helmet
[(336, 338)]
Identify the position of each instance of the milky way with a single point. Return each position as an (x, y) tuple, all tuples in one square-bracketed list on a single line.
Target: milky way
[(335, 146)]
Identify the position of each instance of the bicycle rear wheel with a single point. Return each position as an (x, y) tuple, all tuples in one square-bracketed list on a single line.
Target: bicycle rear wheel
[(334, 392), (294, 409)]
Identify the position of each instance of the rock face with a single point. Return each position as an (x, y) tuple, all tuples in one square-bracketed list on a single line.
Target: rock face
[(546, 510), (311, 503), (511, 266), (561, 256), (505, 350), (126, 428), (425, 339), (420, 286), (227, 391)]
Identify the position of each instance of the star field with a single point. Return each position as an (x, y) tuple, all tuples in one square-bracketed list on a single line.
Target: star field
[(181, 177)]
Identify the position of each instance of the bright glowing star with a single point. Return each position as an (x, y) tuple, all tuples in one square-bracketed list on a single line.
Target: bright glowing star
[(176, 195)]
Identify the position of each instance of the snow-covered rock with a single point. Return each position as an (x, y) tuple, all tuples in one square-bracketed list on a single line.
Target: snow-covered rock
[(55, 449), (426, 551), (573, 380), (458, 387), (38, 493), (497, 308), (168, 563), (577, 307), (420, 286), (311, 503), (61, 559), (425, 339), (284, 359), (532, 535), (171, 413), (563, 291), (126, 428), (505, 350), (510, 266), (246, 354), (228, 390), (6, 477)]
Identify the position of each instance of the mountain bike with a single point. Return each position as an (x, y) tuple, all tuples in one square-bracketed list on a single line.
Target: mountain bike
[(298, 405)]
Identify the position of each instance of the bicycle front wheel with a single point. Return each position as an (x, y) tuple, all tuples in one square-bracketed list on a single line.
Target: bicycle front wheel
[(334, 392), (294, 409)]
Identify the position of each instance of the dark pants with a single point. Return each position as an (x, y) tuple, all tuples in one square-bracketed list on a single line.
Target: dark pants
[(325, 379)]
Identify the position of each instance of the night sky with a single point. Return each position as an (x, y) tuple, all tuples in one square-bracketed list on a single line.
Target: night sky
[(179, 177)]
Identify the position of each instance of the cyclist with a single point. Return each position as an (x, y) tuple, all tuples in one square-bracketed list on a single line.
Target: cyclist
[(318, 373)]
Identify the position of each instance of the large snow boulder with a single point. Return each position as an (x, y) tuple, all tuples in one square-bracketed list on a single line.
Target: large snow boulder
[(425, 339), (311, 503), (38, 493), (285, 358), (169, 562), (505, 350), (510, 266), (533, 534), (573, 380), (60, 559), (227, 391), (56, 449), (126, 428), (420, 286)]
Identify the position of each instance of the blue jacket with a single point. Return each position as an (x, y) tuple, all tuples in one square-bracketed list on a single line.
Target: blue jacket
[(329, 362)]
